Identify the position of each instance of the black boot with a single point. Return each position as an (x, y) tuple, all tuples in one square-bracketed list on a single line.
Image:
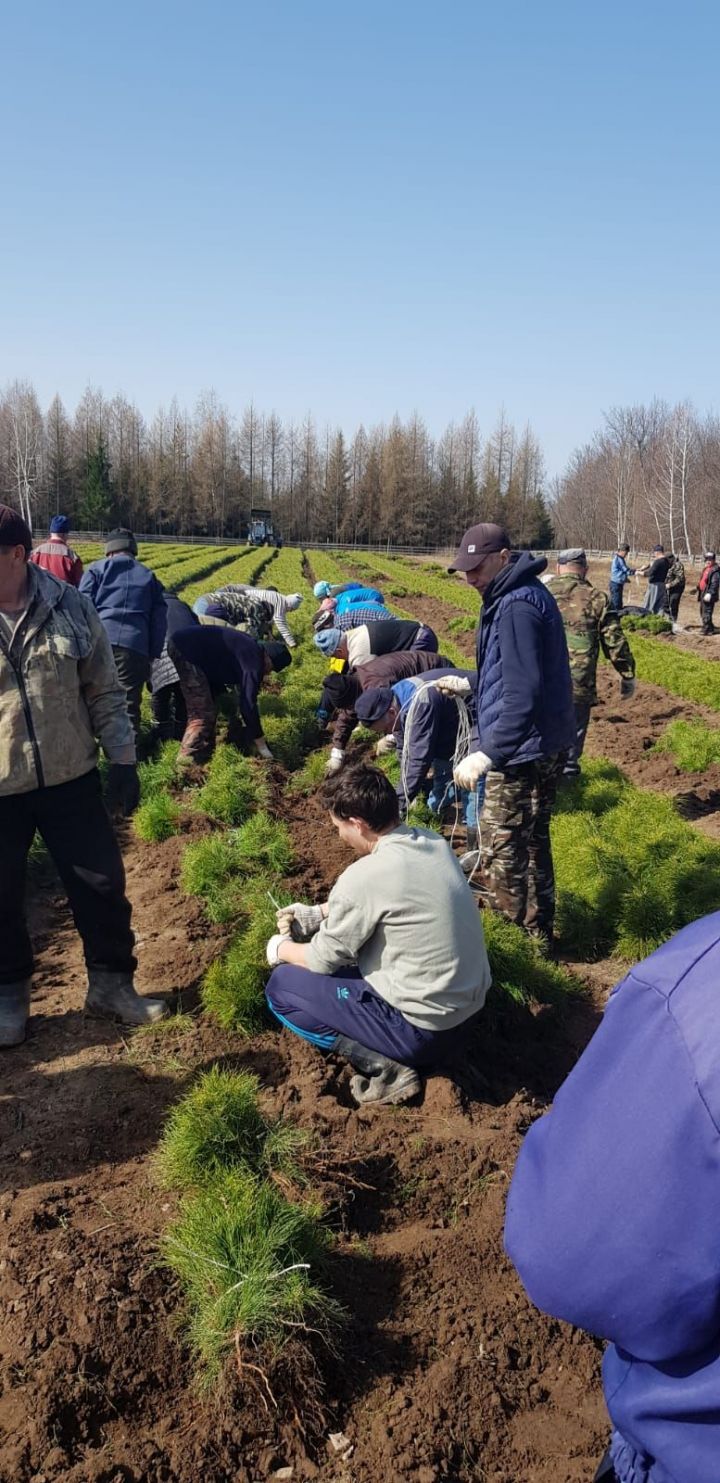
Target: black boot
[(380, 1079)]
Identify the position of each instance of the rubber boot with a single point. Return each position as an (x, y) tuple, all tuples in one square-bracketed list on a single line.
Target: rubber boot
[(470, 861), (113, 996), (381, 1080), (14, 1011)]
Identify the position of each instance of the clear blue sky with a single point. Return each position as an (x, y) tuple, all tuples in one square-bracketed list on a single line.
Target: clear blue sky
[(358, 208)]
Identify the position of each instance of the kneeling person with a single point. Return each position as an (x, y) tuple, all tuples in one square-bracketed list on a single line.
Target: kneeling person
[(396, 963)]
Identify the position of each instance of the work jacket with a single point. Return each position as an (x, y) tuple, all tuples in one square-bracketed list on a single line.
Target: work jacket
[(590, 625), (430, 731), (59, 690), (130, 602), (56, 557), (383, 670), (524, 690)]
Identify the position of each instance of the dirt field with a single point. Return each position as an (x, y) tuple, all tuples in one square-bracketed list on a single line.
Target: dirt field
[(444, 1371)]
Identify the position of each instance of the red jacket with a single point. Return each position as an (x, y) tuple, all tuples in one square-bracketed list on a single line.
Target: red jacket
[(58, 559)]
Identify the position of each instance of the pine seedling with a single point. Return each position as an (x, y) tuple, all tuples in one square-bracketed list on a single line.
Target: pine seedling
[(234, 788), (262, 844), (216, 1127), (157, 818), (518, 966)]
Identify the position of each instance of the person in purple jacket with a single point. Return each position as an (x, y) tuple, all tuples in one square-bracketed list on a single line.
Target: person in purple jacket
[(613, 1217)]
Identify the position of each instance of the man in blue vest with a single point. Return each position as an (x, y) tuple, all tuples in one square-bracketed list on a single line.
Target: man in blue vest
[(525, 724)]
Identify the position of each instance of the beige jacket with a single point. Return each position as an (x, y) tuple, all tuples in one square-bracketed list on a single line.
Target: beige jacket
[(59, 690)]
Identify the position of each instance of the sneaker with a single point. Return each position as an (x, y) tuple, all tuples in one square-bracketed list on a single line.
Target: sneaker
[(395, 1083)]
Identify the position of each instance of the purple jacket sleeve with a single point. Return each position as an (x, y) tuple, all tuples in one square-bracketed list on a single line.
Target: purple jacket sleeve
[(520, 632), (613, 1217)]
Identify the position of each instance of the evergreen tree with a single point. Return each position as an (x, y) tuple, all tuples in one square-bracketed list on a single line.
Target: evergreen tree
[(96, 497)]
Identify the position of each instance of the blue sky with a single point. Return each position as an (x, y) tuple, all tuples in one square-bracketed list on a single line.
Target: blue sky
[(358, 209)]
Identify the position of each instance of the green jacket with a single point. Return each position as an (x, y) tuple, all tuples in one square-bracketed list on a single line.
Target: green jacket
[(59, 690), (590, 624)]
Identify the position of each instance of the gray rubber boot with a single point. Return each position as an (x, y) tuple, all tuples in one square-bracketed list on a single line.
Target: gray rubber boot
[(381, 1079), (14, 1011), (113, 996), (471, 859)]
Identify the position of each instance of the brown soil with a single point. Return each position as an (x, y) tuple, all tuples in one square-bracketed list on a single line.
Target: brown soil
[(445, 1371)]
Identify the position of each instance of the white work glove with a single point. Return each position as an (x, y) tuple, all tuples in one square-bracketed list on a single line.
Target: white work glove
[(307, 918), (468, 773), (627, 689), (335, 761), (451, 684), (707, 597), (385, 744), (271, 950), (262, 749)]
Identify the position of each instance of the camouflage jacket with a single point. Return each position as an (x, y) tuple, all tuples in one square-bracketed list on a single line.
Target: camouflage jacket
[(59, 690), (590, 623), (245, 612)]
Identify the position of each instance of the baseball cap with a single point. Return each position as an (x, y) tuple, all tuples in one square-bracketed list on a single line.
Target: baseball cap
[(372, 705), (574, 553), (477, 542)]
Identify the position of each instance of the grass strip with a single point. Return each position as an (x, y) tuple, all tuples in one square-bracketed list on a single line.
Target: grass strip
[(692, 745), (686, 675)]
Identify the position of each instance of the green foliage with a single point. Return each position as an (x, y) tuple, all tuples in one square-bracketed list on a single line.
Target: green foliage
[(629, 871), (462, 625), (263, 845), (421, 814), (157, 818), (692, 744), (235, 785), (681, 674), (247, 1259), (218, 867), (519, 968), (159, 771), (232, 990), (96, 496), (651, 622), (311, 774), (219, 1126)]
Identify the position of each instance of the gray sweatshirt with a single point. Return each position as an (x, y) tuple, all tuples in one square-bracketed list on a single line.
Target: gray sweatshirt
[(405, 915)]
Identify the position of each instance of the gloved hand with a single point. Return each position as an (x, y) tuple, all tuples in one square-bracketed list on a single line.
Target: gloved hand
[(262, 749), (451, 684), (385, 744), (334, 762), (627, 688), (467, 774), (271, 951), (707, 597), (123, 789), (299, 921)]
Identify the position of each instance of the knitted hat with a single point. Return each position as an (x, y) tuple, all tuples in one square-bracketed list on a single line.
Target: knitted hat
[(278, 653), (328, 640), (321, 589), (294, 600), (59, 525), (120, 540), (372, 705), (14, 531)]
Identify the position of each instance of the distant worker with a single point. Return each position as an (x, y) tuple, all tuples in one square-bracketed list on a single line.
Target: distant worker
[(279, 603), (59, 691), (525, 724), (612, 1215), (240, 609), (590, 625), (211, 660), (55, 556), (656, 597), (389, 636), (675, 584), (620, 574), (707, 591), (166, 697), (395, 967), (346, 593), (131, 604), (427, 727), (341, 691)]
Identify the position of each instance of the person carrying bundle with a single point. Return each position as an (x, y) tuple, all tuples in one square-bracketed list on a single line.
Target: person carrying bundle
[(388, 636), (210, 660), (344, 594), (393, 967), (430, 729), (340, 692)]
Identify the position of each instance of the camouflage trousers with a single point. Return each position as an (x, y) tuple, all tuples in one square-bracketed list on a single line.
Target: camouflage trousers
[(198, 742), (517, 875)]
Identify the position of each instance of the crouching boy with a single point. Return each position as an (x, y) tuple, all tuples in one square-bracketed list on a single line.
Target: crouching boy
[(395, 965)]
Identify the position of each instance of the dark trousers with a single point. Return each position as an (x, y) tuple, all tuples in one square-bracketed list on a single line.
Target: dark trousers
[(133, 672), (169, 712), (582, 710), (674, 599), (198, 743), (616, 596), (706, 613), (74, 823)]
